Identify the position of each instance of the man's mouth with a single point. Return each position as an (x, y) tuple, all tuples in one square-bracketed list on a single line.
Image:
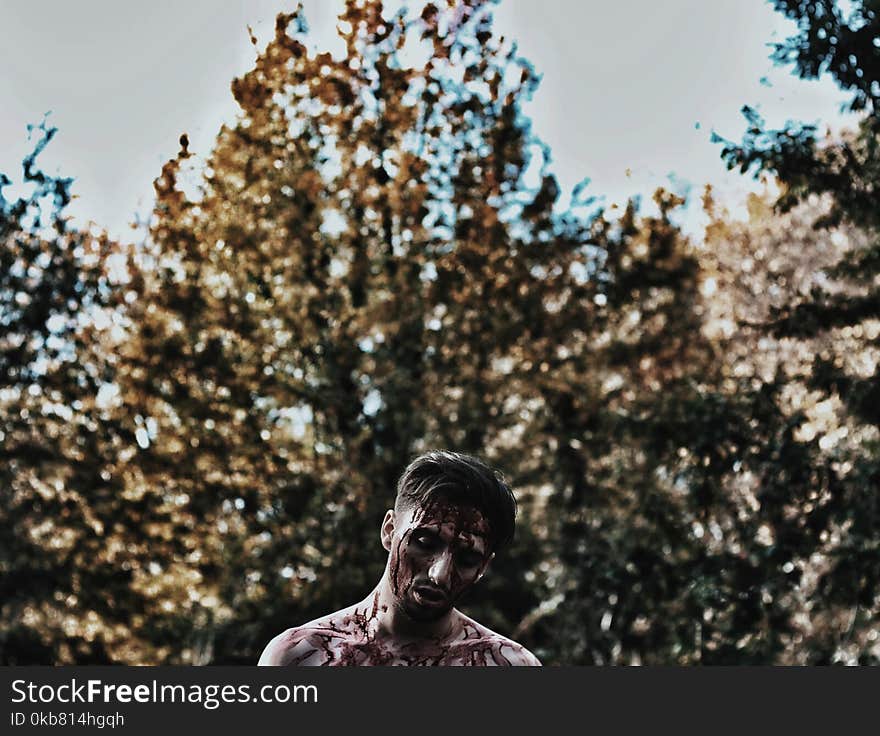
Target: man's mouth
[(428, 596)]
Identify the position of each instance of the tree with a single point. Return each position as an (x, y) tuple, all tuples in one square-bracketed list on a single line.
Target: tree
[(843, 311), (657, 556), (336, 297), (65, 598)]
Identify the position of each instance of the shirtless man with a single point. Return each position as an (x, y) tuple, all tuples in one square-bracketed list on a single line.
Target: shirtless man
[(452, 513)]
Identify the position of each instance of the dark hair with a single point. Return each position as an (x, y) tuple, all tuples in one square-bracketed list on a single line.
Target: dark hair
[(461, 479)]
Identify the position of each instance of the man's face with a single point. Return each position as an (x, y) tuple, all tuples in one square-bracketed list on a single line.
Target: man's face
[(438, 551)]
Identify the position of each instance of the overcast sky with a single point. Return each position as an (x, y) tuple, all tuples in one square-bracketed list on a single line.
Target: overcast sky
[(631, 89)]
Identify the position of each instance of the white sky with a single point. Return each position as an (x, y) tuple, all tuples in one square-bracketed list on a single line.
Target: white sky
[(625, 83)]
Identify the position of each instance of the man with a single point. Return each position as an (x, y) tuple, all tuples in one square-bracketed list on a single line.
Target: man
[(452, 513)]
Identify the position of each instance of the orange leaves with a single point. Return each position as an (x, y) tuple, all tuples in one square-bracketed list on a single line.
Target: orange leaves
[(335, 91), (311, 184), (430, 14), (249, 92)]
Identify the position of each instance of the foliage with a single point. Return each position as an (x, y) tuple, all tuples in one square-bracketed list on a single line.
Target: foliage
[(200, 435), (841, 313), (65, 597), (334, 299)]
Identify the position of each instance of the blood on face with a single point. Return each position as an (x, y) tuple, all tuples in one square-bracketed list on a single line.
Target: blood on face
[(439, 550)]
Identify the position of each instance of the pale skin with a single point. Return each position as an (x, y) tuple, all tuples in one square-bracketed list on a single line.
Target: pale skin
[(436, 553)]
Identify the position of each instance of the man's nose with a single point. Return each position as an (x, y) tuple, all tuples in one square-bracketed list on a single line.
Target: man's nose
[(440, 571)]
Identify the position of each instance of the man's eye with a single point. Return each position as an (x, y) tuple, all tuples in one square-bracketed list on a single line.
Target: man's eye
[(469, 559), (425, 541)]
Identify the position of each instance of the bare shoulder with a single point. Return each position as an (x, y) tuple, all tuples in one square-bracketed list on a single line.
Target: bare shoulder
[(498, 649), (516, 654), (314, 642), (509, 653), (289, 647)]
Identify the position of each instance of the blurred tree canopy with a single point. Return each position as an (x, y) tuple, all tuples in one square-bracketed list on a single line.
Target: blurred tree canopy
[(839, 315), (200, 433), (64, 598)]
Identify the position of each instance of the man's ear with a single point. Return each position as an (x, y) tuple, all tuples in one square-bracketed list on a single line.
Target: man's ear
[(485, 566), (387, 531)]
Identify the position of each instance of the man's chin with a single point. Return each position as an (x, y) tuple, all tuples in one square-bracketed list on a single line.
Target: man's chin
[(426, 614)]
